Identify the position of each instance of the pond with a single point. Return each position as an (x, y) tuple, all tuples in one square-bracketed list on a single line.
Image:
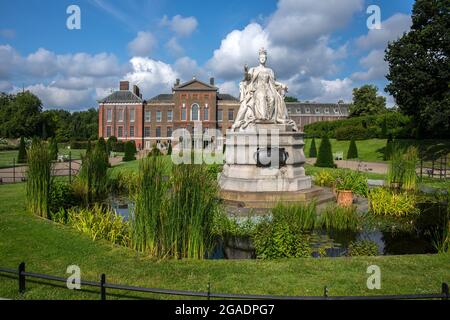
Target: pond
[(390, 238)]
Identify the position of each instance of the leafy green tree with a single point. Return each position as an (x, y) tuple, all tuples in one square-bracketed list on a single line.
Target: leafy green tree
[(313, 149), (352, 152), (111, 144), (53, 149), (290, 99), (22, 157), (325, 156), (130, 151), (366, 102), (419, 73)]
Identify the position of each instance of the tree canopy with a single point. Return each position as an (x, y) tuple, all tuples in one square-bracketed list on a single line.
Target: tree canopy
[(419, 72), (366, 102)]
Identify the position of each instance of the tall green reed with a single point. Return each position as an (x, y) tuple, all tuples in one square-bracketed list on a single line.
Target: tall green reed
[(39, 178)]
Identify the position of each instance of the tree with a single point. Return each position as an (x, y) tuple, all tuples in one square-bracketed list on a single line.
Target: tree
[(313, 149), (22, 157), (104, 150), (325, 157), (352, 152), (366, 102), (419, 72), (111, 144), (130, 151), (169, 150), (53, 149), (290, 99)]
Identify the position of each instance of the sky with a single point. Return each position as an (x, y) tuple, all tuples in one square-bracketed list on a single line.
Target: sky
[(321, 49)]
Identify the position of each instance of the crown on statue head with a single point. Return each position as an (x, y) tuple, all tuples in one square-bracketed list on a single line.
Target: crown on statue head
[(262, 51)]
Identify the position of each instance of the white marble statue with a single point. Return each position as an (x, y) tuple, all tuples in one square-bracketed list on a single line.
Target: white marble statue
[(261, 97)]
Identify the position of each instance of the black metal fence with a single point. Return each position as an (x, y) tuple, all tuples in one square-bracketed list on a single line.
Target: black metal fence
[(22, 276)]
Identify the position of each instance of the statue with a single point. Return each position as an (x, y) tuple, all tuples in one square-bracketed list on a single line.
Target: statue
[(261, 97)]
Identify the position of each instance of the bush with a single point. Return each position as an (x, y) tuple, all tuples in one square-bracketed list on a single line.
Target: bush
[(22, 157), (325, 157), (100, 223), (362, 248), (352, 152), (155, 151), (355, 181), (384, 202), (351, 132), (111, 144), (130, 151), (324, 178), (62, 196), (53, 149), (313, 149)]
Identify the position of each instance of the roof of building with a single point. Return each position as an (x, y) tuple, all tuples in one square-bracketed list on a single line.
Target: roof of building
[(122, 96), (312, 108), (194, 81), (226, 96), (162, 97)]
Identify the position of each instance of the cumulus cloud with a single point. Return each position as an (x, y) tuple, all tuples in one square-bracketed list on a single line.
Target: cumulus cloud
[(143, 44), (186, 68), (230, 87), (62, 98), (174, 47), (376, 67), (182, 26), (391, 29)]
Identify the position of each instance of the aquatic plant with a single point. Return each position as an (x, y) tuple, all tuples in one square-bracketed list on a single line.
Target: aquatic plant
[(362, 248), (335, 217), (384, 202)]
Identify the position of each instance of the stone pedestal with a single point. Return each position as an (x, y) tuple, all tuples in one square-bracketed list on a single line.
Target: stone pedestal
[(264, 164)]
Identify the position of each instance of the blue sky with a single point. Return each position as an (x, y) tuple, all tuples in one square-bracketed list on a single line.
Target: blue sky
[(321, 49)]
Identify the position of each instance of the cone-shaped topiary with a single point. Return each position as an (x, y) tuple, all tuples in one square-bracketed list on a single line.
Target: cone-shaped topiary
[(352, 152), (130, 151), (313, 149), (22, 157), (325, 157), (53, 149), (169, 150)]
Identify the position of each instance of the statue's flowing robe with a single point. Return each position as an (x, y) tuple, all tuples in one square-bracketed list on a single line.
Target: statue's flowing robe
[(261, 98)]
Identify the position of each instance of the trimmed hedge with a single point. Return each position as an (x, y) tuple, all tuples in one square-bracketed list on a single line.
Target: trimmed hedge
[(325, 157), (352, 152), (313, 149)]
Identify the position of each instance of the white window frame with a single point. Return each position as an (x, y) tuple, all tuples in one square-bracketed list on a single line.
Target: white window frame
[(132, 114), (159, 116), (149, 113), (109, 115), (198, 112), (169, 119)]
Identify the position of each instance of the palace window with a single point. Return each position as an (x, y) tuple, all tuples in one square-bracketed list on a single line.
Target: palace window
[(327, 110), (120, 132), (158, 116), (109, 115), (131, 131), (169, 116), (146, 132), (230, 115), (195, 112), (317, 110), (132, 115), (169, 132), (148, 116), (336, 110), (307, 110), (108, 131), (206, 113), (220, 115), (158, 132), (120, 115), (183, 112)]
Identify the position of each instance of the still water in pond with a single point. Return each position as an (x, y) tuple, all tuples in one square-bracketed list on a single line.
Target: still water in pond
[(336, 243)]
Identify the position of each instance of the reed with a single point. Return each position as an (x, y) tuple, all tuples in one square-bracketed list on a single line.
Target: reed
[(39, 178), (299, 216), (409, 181), (339, 218)]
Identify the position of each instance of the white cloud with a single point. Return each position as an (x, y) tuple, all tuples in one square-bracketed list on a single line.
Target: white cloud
[(391, 29), (56, 97), (9, 58), (174, 47), (182, 26), (143, 44), (5, 86), (230, 87), (187, 68), (376, 67), (153, 77)]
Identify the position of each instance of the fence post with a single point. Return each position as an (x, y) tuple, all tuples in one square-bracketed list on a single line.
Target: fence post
[(70, 166), (445, 291), (325, 292), (14, 170), (102, 287), (209, 290), (21, 277)]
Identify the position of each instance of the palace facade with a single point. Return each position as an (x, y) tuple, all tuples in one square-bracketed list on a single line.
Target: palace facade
[(127, 116)]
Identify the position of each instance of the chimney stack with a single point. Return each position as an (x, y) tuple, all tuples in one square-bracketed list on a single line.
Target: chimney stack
[(136, 90), (177, 82), (124, 85), (211, 81)]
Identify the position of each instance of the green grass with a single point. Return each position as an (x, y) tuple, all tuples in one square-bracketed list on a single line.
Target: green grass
[(311, 170), (6, 158), (49, 248)]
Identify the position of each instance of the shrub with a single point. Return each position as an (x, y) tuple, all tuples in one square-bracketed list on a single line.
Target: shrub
[(324, 178), (355, 181), (22, 157), (39, 178), (402, 168), (169, 150), (111, 144), (325, 157), (61, 196), (362, 248), (79, 144), (130, 151), (351, 132), (313, 149), (235, 226), (100, 223), (155, 151), (352, 150), (383, 202)]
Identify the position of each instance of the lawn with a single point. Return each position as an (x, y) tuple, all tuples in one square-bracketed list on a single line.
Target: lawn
[(49, 248), (7, 158)]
